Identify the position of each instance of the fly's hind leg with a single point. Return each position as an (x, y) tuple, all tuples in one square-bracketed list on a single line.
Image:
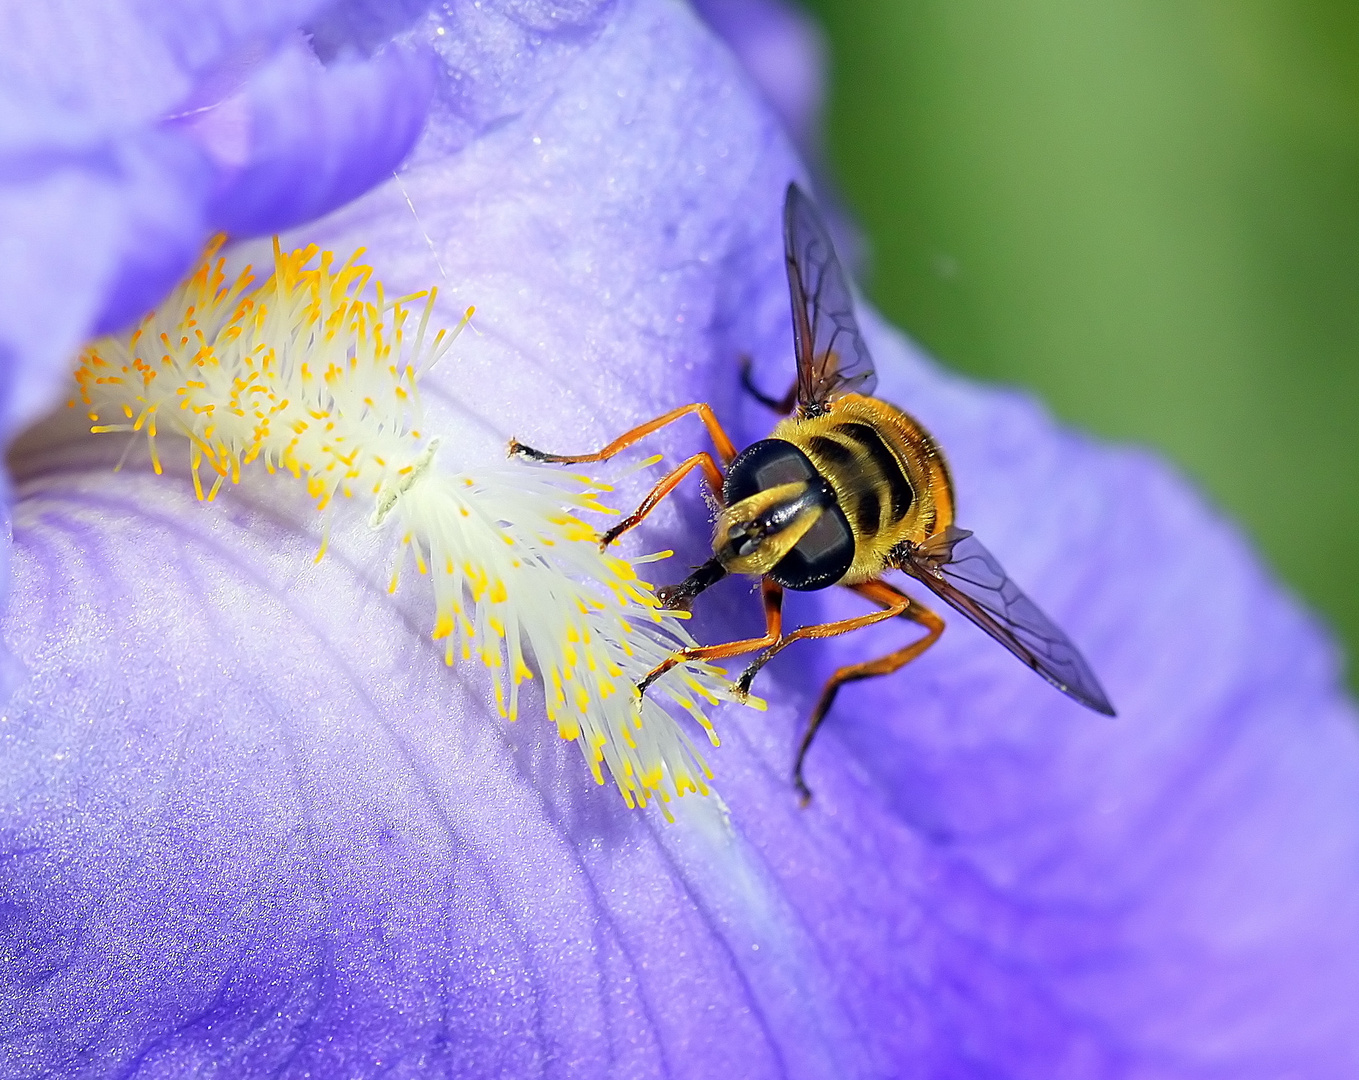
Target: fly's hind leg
[(882, 593), (783, 406), (894, 603)]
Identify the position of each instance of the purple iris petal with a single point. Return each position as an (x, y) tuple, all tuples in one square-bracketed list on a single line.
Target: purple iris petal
[(128, 133), (783, 50), (251, 825)]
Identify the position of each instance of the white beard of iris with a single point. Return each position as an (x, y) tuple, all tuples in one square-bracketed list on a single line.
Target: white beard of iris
[(304, 375)]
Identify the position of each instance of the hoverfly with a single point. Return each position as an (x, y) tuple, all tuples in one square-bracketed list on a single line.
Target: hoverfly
[(844, 489)]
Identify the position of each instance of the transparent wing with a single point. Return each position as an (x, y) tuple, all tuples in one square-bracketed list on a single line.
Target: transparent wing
[(832, 358), (968, 577)]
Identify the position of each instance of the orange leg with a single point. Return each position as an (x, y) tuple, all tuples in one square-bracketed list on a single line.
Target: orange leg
[(725, 449), (783, 406), (771, 593), (894, 603), (667, 484)]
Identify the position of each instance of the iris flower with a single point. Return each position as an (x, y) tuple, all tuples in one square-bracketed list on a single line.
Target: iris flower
[(253, 826)]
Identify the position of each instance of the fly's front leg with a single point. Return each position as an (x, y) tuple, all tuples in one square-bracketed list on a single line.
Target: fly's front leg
[(667, 484), (726, 450)]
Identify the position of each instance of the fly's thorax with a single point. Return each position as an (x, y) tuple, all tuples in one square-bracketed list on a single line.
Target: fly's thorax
[(888, 474), (782, 519)]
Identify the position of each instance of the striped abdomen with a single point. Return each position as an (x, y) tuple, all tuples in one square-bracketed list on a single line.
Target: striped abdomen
[(888, 475)]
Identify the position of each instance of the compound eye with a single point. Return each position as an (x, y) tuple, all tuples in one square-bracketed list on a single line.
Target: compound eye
[(821, 558), (763, 465)]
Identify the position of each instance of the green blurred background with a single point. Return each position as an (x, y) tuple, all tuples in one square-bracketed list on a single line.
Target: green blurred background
[(1147, 211)]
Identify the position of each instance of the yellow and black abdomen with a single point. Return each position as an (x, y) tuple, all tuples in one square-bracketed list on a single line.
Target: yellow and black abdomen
[(887, 472)]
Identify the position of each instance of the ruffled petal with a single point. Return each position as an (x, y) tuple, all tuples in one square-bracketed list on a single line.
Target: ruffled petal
[(315, 137)]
